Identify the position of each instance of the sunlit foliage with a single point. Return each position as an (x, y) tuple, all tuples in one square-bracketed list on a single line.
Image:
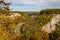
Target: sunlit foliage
[(25, 27)]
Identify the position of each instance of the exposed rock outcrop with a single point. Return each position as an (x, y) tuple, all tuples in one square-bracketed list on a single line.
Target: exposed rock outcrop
[(50, 26)]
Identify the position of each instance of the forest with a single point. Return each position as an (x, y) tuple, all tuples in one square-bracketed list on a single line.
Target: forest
[(16, 25)]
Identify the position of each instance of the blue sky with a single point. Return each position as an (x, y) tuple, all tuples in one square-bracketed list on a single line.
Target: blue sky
[(33, 5)]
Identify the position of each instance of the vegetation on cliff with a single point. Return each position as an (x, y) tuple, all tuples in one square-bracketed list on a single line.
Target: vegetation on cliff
[(21, 26)]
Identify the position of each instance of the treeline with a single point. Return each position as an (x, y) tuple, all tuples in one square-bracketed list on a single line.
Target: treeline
[(50, 11)]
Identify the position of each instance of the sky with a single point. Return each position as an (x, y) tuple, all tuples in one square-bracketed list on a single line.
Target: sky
[(33, 5)]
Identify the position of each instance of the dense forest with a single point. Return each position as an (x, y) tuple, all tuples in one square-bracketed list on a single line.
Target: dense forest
[(25, 26), (16, 25)]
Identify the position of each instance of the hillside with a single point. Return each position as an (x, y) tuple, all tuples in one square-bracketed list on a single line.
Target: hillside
[(43, 25)]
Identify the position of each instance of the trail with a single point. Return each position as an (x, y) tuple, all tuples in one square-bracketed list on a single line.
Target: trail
[(50, 26)]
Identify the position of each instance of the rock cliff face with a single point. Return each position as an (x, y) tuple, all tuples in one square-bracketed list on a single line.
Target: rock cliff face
[(50, 26)]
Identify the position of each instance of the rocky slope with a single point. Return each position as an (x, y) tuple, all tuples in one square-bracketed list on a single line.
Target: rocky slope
[(50, 26)]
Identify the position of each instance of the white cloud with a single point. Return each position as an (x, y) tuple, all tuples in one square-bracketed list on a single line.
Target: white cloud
[(34, 1), (34, 4)]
